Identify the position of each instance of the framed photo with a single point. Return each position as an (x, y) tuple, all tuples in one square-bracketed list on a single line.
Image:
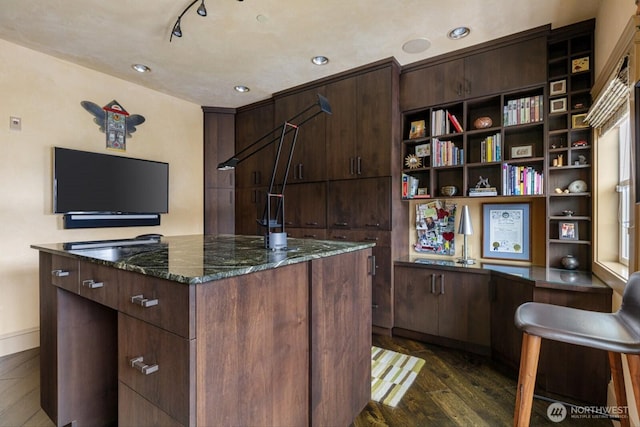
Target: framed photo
[(580, 64), (521, 151), (577, 121), (568, 230), (423, 150), (506, 231), (418, 129), (558, 105), (558, 87)]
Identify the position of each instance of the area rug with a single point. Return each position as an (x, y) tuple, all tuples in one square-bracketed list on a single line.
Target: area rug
[(392, 374)]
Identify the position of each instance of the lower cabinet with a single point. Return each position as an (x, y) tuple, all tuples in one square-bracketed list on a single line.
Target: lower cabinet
[(441, 306)]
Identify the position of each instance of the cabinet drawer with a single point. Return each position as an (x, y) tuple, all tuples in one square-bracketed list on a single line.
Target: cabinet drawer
[(64, 273), (166, 304), (158, 365), (134, 410), (99, 283), (380, 238)]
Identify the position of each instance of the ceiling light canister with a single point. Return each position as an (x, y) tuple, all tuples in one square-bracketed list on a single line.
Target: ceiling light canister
[(458, 33), (241, 88), (141, 68), (320, 60)]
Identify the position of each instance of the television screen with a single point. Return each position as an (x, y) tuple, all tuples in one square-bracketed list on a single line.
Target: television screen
[(92, 182)]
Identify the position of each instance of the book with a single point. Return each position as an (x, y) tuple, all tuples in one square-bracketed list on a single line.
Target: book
[(455, 122)]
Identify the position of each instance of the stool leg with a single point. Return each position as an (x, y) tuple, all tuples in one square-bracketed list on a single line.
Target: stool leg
[(526, 379), (634, 371), (615, 361)]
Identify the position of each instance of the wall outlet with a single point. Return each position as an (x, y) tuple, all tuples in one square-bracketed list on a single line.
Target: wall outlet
[(15, 123)]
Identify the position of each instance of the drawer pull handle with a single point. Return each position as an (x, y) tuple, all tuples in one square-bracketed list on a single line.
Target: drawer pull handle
[(92, 284), (376, 225), (143, 302), (314, 223), (341, 224), (371, 239), (59, 273), (138, 363)]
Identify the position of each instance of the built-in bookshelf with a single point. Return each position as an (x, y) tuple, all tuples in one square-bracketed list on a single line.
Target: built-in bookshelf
[(495, 143)]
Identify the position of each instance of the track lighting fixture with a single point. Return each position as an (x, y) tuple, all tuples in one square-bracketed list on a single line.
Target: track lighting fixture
[(177, 31)]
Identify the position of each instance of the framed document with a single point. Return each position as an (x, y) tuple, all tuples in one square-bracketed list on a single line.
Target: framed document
[(506, 231)]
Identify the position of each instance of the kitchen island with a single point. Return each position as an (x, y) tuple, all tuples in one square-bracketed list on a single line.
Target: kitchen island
[(205, 330)]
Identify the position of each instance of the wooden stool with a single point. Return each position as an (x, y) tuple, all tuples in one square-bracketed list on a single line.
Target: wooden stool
[(616, 333)]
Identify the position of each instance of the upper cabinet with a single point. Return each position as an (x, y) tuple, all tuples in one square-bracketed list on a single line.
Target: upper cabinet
[(512, 64), (252, 124), (308, 163)]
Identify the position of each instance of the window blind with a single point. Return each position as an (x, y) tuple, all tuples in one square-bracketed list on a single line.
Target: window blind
[(612, 101)]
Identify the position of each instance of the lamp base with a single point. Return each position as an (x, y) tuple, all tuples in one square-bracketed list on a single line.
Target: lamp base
[(466, 261), (275, 241)]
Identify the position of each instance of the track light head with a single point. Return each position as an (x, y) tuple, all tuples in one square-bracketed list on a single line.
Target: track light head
[(202, 11), (177, 31)]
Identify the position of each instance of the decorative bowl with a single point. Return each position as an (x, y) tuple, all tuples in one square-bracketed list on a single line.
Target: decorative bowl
[(449, 190), (567, 212), (482, 122)]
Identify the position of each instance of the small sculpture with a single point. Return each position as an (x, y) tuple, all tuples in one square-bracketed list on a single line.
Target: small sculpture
[(483, 182)]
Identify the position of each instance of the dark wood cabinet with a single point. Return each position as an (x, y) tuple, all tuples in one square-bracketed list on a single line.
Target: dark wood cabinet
[(252, 123), (219, 203), (342, 131), (434, 84), (306, 205), (443, 306), (308, 163), (250, 205), (359, 204)]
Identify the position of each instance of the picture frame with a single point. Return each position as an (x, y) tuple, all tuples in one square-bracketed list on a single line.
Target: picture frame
[(506, 231), (579, 65), (558, 105), (559, 87), (418, 129), (568, 230), (578, 121), (423, 150), (521, 151)]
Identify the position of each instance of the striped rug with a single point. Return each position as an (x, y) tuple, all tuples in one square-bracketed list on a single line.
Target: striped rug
[(392, 374)]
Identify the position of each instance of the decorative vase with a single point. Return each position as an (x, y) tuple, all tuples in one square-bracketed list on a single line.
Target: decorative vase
[(449, 190), (569, 262), (482, 122)]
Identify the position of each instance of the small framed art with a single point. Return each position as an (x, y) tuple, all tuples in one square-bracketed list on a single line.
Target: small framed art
[(521, 151), (558, 87), (580, 64), (558, 105), (418, 129), (578, 121), (568, 230)]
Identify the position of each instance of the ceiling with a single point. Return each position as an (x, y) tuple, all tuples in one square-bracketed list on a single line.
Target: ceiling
[(266, 45)]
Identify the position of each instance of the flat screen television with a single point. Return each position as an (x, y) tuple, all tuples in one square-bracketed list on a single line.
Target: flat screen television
[(85, 182)]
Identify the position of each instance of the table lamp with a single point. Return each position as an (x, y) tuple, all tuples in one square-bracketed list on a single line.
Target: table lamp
[(466, 229)]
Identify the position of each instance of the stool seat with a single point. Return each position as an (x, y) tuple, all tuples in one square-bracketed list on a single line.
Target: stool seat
[(604, 331)]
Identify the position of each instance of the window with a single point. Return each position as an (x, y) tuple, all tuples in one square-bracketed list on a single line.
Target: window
[(623, 188)]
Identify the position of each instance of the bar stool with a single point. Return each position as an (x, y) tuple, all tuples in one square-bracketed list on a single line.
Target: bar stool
[(615, 333)]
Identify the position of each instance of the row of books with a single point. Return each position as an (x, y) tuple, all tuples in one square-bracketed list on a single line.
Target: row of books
[(446, 153), (410, 186), (524, 110), (491, 149), (442, 123), (521, 180), (483, 191)]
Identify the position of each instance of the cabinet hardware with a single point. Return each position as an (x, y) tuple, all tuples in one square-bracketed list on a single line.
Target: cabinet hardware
[(310, 236), (341, 224), (340, 237), (351, 165), (374, 306), (91, 284), (371, 239), (442, 284), (300, 171), (373, 225), (359, 168), (143, 302), (433, 283), (138, 363), (59, 273), (311, 223), (373, 265), (288, 223)]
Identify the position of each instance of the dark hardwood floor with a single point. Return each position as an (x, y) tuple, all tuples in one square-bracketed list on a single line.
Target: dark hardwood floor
[(453, 389)]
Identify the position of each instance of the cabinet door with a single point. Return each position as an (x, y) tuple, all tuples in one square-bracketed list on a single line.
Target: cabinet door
[(375, 112), (309, 159), (416, 300), (250, 203), (251, 125), (436, 84), (359, 204), (219, 132), (306, 205), (341, 129), (219, 208)]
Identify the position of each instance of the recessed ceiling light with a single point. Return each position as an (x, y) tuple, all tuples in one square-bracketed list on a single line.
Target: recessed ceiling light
[(416, 45), (241, 88), (141, 68), (458, 33), (320, 60)]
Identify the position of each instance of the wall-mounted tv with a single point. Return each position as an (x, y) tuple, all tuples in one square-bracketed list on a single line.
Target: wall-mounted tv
[(116, 187)]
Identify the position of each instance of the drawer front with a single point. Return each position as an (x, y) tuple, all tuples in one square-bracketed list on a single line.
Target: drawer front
[(65, 273), (134, 410), (380, 238), (158, 365), (99, 283), (168, 305)]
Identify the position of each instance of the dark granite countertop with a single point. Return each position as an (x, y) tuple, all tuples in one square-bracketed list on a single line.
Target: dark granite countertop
[(198, 258), (555, 278)]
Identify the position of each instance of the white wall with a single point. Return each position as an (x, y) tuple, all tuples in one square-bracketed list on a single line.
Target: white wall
[(46, 93)]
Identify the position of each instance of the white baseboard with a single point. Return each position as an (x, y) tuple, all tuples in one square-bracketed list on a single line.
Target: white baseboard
[(16, 342)]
